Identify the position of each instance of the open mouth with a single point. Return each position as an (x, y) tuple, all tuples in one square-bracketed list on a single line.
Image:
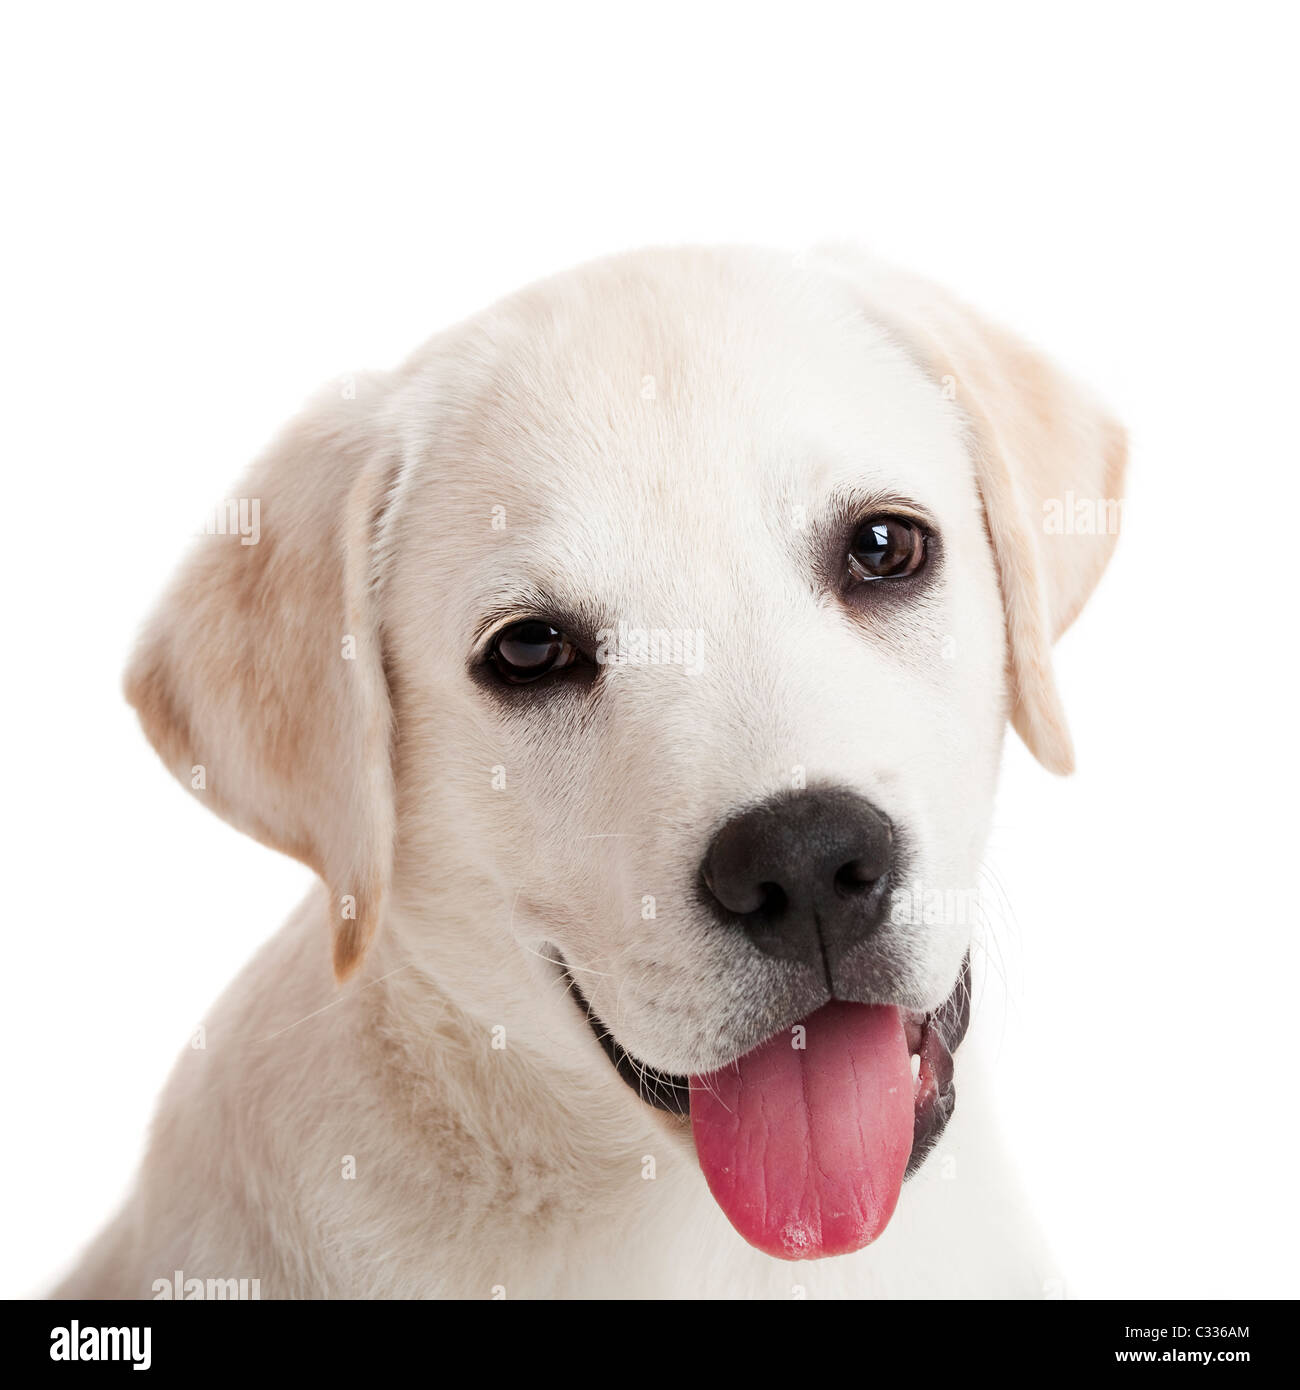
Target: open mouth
[(806, 1139)]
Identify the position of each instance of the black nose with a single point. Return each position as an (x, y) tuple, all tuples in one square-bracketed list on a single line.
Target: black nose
[(804, 874)]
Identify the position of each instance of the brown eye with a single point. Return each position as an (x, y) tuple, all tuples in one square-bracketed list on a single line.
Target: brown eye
[(529, 650), (887, 547)]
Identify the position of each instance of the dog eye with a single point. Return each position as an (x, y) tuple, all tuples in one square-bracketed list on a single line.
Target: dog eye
[(887, 547), (529, 650)]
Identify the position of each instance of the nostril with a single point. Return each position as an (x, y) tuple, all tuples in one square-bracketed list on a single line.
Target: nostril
[(745, 898), (855, 877), (774, 901)]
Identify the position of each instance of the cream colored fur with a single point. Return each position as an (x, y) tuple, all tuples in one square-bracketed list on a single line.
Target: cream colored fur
[(654, 437)]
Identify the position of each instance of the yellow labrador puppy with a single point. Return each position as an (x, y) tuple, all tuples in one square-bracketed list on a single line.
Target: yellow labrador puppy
[(632, 666)]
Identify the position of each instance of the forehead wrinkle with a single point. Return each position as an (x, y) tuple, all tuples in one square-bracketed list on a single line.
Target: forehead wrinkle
[(565, 385), (561, 414)]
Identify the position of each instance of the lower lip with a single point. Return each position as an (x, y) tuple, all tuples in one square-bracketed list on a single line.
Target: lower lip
[(932, 1090)]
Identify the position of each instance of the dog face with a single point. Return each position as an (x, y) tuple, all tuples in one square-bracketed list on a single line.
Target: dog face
[(685, 469), (678, 604)]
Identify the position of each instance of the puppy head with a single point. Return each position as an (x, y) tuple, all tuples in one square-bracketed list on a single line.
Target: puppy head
[(671, 573)]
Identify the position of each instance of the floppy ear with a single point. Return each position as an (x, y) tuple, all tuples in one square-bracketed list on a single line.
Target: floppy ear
[(260, 677), (1050, 466)]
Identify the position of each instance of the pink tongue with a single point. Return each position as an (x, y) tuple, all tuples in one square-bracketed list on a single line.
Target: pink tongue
[(805, 1148)]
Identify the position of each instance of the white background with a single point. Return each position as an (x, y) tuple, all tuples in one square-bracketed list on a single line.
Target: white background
[(205, 219)]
